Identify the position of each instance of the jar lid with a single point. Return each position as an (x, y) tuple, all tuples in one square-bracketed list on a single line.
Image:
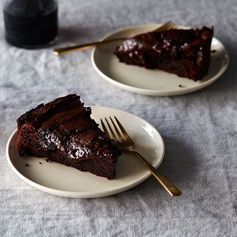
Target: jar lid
[(30, 8)]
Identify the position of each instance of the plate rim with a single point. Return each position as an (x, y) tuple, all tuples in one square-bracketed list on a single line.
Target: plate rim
[(80, 194), (150, 92)]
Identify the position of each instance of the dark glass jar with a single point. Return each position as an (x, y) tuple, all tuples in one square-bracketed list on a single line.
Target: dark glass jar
[(30, 23)]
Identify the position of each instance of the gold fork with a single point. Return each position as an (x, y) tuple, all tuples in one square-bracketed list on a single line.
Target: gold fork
[(61, 51), (117, 132)]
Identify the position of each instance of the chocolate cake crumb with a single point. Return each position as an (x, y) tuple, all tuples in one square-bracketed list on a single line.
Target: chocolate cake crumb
[(27, 164), (40, 163), (181, 86), (213, 51)]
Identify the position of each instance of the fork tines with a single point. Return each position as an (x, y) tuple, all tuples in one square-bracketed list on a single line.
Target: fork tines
[(115, 129)]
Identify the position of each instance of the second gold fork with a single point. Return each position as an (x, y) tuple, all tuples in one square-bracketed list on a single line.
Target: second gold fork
[(61, 51)]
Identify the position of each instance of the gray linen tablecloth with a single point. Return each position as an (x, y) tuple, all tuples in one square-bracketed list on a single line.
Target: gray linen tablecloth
[(199, 130)]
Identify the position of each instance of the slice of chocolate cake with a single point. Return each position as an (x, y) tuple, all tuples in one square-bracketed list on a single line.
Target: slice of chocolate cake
[(182, 52), (64, 132)]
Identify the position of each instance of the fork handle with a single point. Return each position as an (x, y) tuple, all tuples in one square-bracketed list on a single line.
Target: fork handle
[(69, 49), (167, 185)]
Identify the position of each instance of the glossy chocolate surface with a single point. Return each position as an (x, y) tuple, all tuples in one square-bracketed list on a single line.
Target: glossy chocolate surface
[(63, 131), (183, 52)]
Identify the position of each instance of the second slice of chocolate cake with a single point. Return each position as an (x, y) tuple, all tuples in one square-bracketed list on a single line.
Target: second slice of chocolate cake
[(185, 53), (64, 132)]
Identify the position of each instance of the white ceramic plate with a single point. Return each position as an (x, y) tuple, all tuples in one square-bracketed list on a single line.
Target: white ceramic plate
[(66, 181), (152, 82)]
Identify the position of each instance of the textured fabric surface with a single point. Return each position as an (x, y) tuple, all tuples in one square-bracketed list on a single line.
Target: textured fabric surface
[(199, 130)]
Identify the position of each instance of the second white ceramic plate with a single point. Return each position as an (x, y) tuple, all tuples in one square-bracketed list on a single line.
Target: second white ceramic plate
[(152, 82), (66, 181)]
